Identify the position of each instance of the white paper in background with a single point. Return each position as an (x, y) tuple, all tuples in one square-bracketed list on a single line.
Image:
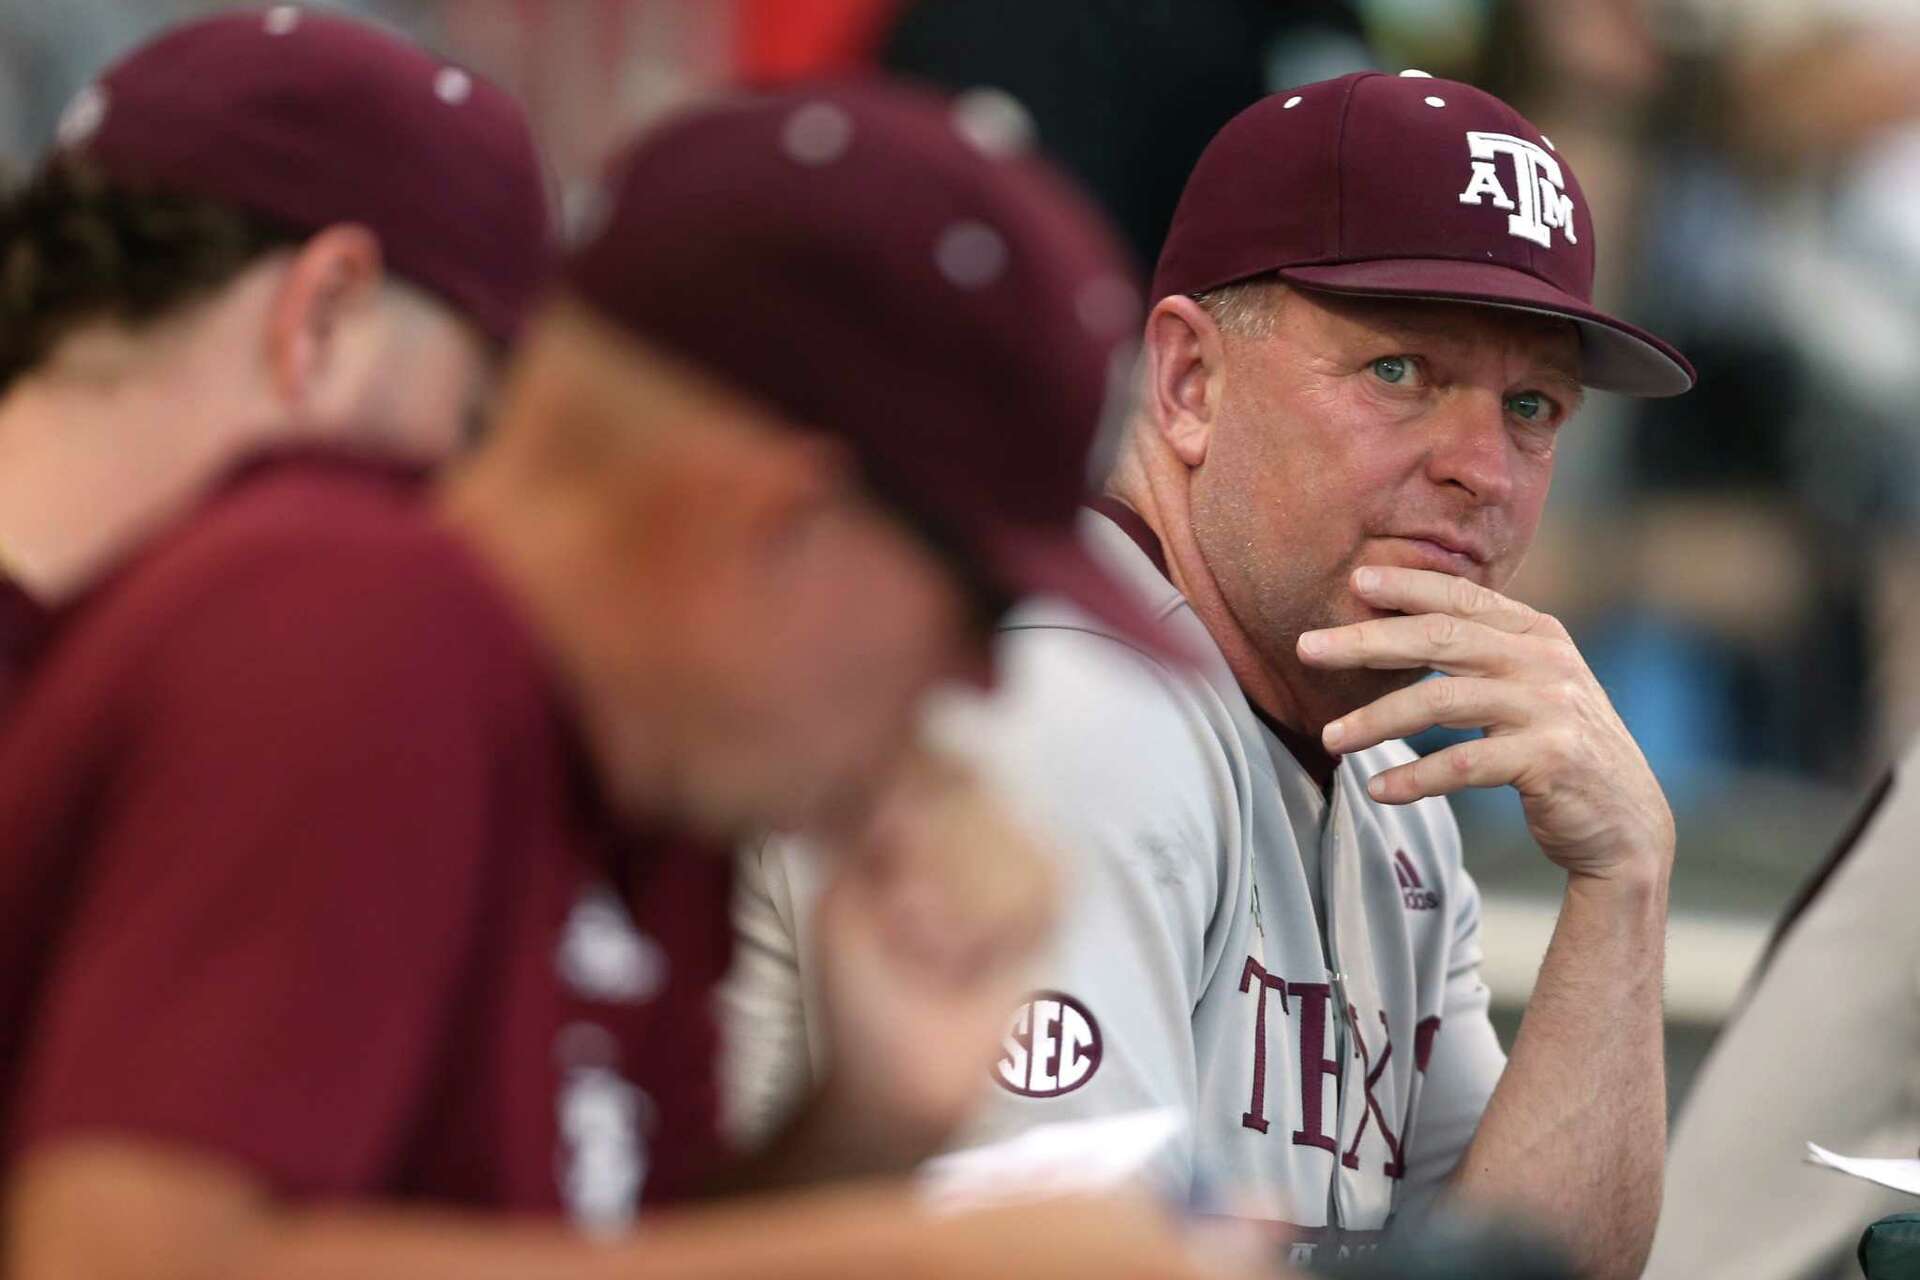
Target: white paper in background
[(1901, 1175), (1074, 1156)]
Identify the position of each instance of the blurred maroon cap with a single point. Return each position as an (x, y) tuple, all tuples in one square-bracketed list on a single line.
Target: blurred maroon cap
[(852, 257), (1405, 186), (310, 120)]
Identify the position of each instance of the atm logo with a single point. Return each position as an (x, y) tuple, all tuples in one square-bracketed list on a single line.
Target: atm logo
[(1413, 894)]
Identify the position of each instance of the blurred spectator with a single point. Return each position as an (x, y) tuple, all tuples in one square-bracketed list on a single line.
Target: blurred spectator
[(1807, 205), (1749, 613), (776, 40)]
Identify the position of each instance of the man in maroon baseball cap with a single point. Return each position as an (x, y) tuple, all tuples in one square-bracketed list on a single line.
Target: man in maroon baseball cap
[(1373, 320), (1406, 187), (332, 827), (265, 224)]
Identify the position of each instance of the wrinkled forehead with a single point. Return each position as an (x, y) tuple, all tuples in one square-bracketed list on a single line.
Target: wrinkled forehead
[(1552, 341)]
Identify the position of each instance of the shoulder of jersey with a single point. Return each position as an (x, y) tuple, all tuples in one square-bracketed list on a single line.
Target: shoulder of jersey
[(1126, 562)]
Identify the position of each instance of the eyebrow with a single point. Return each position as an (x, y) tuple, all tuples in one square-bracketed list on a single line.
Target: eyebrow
[(1438, 328), (1555, 368)]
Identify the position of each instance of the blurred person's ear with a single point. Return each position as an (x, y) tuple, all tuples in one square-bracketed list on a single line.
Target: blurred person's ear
[(1185, 358), (333, 279)]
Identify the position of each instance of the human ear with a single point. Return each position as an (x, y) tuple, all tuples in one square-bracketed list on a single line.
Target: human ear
[(334, 274), (1184, 357)]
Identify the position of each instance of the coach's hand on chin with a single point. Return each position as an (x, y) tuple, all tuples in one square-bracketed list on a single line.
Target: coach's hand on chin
[(1592, 803), (1592, 1030)]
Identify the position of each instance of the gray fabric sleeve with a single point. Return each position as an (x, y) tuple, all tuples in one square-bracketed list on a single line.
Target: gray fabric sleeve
[(1464, 1066), (1824, 1050), (766, 1067), (1118, 768)]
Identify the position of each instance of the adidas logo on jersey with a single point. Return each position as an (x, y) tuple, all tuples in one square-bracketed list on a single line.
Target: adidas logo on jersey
[(1415, 895)]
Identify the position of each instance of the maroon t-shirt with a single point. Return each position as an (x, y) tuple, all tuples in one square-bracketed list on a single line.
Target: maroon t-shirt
[(300, 866)]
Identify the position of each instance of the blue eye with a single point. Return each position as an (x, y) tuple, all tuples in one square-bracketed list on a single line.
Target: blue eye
[(1528, 406), (1391, 369)]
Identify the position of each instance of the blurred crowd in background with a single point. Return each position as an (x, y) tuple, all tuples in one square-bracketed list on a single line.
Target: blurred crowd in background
[(1741, 565)]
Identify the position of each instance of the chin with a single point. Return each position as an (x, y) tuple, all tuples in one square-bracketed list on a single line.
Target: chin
[(1349, 608), (1358, 610), (1348, 691)]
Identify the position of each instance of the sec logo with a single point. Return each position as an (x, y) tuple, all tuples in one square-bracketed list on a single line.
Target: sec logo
[(1052, 1047)]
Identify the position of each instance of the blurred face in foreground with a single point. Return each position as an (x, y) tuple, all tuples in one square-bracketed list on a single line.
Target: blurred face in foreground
[(1328, 432), (748, 633), (813, 655)]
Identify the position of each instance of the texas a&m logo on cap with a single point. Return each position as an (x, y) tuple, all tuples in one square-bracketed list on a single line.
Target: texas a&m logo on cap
[(1051, 1047), (1538, 202)]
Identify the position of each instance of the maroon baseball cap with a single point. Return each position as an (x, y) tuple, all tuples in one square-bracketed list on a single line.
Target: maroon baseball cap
[(310, 120), (1406, 186), (850, 256)]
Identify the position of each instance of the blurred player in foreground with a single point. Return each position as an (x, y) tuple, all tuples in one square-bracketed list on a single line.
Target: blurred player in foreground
[(340, 919), (262, 225), (1821, 1051), (1373, 321)]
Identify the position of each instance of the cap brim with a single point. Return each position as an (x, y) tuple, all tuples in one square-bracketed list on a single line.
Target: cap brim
[(1615, 356), (1055, 563)]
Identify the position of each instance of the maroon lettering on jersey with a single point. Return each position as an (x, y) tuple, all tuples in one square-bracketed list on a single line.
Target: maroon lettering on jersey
[(1423, 1037), (1395, 1166), (1256, 980), (1315, 1000), (1305, 1246)]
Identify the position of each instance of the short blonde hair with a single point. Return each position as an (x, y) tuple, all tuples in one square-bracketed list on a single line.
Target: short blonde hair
[(1246, 308)]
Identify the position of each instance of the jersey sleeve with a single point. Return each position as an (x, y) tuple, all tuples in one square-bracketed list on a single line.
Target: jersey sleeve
[(1118, 769), (1464, 1061), (284, 873), (766, 1066), (1819, 1049)]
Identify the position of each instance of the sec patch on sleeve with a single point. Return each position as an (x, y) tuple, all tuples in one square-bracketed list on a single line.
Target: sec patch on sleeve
[(1052, 1047)]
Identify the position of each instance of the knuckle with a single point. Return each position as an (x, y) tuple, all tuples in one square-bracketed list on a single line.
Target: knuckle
[(1443, 695), (1565, 692), (1442, 630), (1465, 595), (1542, 623), (1561, 746), (1463, 758)]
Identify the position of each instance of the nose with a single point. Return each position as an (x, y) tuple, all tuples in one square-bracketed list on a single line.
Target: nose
[(1469, 447)]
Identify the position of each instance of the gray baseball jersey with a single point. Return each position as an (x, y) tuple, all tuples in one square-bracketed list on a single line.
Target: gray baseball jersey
[(1826, 1048), (1296, 970)]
